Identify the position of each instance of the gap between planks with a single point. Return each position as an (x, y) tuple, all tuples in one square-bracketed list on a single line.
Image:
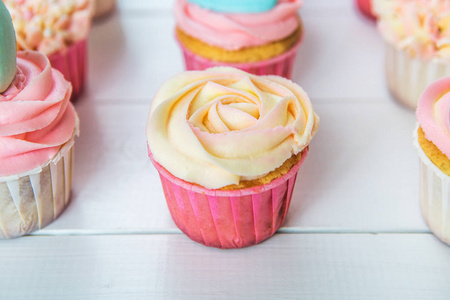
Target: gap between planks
[(286, 230)]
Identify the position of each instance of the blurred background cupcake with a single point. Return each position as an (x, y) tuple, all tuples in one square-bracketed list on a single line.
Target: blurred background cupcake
[(38, 125), (58, 29), (432, 140), (417, 38), (260, 37), (365, 6), (228, 145)]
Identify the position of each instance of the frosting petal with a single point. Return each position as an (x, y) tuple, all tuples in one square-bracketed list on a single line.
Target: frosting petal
[(219, 126), (234, 31), (36, 116)]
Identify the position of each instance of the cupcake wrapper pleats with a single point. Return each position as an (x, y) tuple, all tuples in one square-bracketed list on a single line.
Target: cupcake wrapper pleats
[(229, 218), (408, 76), (33, 201), (434, 194)]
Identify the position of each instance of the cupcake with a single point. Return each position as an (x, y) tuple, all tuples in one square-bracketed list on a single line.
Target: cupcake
[(103, 7), (228, 145), (37, 129), (417, 38), (365, 6), (432, 139), (59, 29), (260, 37)]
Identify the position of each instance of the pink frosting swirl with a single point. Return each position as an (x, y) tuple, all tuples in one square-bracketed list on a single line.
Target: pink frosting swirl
[(433, 114), (234, 31), (36, 117)]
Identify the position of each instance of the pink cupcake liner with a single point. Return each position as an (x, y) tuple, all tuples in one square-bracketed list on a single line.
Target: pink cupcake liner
[(281, 65), (229, 219), (365, 6), (72, 63)]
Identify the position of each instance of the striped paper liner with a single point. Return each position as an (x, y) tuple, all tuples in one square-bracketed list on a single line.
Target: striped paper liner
[(434, 195), (408, 76), (229, 218), (32, 200)]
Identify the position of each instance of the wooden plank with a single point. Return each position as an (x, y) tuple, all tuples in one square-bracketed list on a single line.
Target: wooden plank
[(173, 267)]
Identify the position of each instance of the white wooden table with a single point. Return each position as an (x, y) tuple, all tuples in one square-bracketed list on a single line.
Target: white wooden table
[(354, 230)]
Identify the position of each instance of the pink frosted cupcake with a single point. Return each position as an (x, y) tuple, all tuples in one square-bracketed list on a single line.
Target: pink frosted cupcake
[(365, 6), (432, 140), (59, 29), (260, 37), (38, 125), (417, 38), (228, 146)]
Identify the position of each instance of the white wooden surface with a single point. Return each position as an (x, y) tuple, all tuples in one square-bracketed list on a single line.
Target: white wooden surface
[(354, 230)]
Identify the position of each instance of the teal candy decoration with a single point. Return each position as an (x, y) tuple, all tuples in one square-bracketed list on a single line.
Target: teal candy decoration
[(8, 49), (236, 6)]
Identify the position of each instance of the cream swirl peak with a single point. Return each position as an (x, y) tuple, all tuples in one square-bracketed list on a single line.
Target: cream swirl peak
[(234, 31), (36, 117), (420, 27), (433, 114), (220, 126)]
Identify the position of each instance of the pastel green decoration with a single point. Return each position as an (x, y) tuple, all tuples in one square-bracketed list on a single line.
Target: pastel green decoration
[(8, 49), (236, 6)]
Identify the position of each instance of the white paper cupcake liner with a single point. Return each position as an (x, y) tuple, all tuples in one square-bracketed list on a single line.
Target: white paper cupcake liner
[(407, 76), (32, 200), (434, 195)]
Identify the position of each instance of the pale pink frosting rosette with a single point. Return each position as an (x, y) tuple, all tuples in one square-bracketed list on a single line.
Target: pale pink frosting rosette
[(214, 128), (59, 29), (234, 31), (37, 129), (433, 115)]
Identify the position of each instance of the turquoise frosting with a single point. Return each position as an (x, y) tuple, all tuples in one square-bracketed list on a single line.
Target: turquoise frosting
[(8, 49), (236, 6)]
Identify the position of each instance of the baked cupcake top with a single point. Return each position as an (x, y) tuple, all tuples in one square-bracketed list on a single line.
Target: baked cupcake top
[(36, 116), (49, 26), (222, 125), (433, 114), (234, 31), (420, 27)]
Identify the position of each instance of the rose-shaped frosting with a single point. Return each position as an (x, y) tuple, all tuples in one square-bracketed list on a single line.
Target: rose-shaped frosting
[(433, 114), (420, 27), (219, 126), (36, 116), (234, 31), (49, 26)]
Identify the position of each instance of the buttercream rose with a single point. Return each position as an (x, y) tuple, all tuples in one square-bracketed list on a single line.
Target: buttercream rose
[(220, 126), (36, 117)]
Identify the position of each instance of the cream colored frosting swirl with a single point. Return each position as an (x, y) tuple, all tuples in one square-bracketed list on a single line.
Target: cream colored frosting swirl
[(420, 27), (219, 126)]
